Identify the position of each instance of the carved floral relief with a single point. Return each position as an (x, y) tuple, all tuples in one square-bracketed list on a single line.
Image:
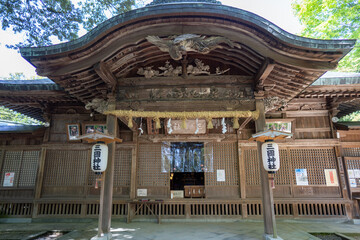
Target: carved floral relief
[(168, 70)]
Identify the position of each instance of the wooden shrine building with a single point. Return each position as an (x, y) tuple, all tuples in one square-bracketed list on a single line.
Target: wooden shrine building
[(184, 85)]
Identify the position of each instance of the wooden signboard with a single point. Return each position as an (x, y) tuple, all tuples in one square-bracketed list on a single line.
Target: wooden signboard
[(73, 131), (176, 126)]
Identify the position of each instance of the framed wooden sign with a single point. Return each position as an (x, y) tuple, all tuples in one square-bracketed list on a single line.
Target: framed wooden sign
[(91, 127), (283, 125), (193, 126), (73, 131)]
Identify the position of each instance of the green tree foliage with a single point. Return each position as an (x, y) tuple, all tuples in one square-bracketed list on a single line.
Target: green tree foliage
[(21, 76), (15, 76), (332, 19), (12, 116), (41, 20), (97, 13), (352, 117)]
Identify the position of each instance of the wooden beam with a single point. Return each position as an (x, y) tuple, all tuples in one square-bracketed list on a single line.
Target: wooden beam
[(105, 74), (266, 67), (125, 121), (242, 126)]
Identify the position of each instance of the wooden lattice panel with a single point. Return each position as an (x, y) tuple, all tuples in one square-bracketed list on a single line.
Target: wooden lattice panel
[(252, 171), (149, 167), (28, 169), (122, 167), (1, 158), (314, 161), (59, 209), (253, 209), (282, 176), (226, 158), (16, 209), (283, 209), (119, 209), (172, 209), (65, 167), (216, 209), (92, 209), (12, 163), (321, 209), (353, 164), (351, 152)]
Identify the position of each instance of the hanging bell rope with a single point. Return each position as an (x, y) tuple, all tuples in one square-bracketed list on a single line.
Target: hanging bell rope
[(183, 125), (236, 123), (157, 123), (210, 124), (130, 122)]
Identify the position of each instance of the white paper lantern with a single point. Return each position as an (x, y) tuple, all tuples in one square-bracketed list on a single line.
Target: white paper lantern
[(99, 157), (270, 156)]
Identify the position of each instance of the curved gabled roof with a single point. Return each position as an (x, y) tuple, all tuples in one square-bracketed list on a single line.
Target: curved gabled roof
[(33, 97), (197, 9), (282, 64)]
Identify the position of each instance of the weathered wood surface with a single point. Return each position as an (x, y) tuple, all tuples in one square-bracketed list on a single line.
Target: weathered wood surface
[(266, 191)]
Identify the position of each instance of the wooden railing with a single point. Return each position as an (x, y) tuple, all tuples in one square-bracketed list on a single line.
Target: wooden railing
[(178, 209)]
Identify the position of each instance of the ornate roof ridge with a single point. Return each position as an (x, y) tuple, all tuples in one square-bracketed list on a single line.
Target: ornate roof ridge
[(194, 8), (160, 2)]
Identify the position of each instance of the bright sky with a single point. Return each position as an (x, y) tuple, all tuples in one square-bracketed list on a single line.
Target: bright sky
[(277, 11)]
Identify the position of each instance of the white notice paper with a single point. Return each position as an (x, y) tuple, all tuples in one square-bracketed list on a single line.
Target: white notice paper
[(331, 177), (9, 179), (301, 177), (351, 174), (142, 192), (352, 182), (357, 173), (220, 175)]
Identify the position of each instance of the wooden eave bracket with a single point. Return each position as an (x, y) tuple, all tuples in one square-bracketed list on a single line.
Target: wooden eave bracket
[(105, 74), (266, 67)]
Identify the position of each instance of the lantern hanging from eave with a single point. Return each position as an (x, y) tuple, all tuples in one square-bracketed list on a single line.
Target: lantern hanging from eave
[(270, 156), (99, 157)]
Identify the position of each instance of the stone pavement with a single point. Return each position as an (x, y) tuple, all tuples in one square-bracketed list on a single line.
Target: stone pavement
[(241, 229)]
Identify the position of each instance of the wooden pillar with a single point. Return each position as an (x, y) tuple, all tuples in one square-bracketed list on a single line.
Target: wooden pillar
[(134, 154), (39, 180), (242, 175), (2, 159), (267, 197), (340, 172), (108, 177)]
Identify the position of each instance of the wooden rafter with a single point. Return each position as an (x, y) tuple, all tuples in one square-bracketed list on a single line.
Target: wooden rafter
[(266, 67), (105, 74)]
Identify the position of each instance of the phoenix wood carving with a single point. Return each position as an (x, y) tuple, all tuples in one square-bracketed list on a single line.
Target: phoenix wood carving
[(177, 46)]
